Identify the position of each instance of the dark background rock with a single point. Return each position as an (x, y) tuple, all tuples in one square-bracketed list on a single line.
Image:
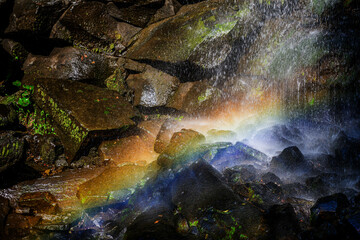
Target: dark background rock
[(12, 150)]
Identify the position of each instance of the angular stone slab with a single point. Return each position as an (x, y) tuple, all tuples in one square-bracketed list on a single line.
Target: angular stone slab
[(80, 111), (201, 33), (114, 184)]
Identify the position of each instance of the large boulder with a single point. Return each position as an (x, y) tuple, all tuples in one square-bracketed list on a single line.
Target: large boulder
[(115, 184), (80, 112), (70, 63), (89, 25), (182, 145), (289, 160), (202, 31)]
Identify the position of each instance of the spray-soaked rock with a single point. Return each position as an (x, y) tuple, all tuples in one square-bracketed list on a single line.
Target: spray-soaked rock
[(70, 63), (270, 177), (152, 87), (170, 8), (204, 34), (290, 160), (89, 24), (12, 149), (347, 152), (239, 154), (80, 112), (181, 146), (15, 49), (168, 128), (197, 98), (113, 185)]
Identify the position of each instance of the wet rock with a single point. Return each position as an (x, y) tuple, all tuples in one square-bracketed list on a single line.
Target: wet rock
[(133, 149), (347, 152), (17, 226), (168, 128), (239, 154), (198, 98), (92, 159), (328, 218), (15, 50), (39, 202), (117, 82), (263, 195), (96, 30), (198, 29), (220, 135), (80, 112), (283, 222), (182, 145), (35, 17), (318, 186), (297, 190), (4, 211), (43, 150), (329, 208), (157, 222), (70, 63), (12, 149), (113, 185), (61, 162), (201, 186), (239, 174), (289, 160), (271, 177), (152, 87), (8, 117), (170, 8), (138, 14)]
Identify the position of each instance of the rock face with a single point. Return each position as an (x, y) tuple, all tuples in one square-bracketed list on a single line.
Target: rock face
[(290, 159), (198, 29), (37, 17), (152, 88), (182, 144), (7, 116), (115, 184), (70, 63), (96, 29), (197, 98), (69, 103), (12, 149)]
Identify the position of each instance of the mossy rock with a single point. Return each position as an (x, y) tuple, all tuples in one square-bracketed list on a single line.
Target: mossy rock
[(192, 32), (80, 112), (11, 150)]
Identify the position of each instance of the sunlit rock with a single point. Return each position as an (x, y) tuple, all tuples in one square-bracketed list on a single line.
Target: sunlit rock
[(70, 63), (115, 184), (220, 135), (12, 149), (80, 112), (39, 202), (163, 137), (182, 145), (89, 25), (152, 87), (134, 149), (197, 98)]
